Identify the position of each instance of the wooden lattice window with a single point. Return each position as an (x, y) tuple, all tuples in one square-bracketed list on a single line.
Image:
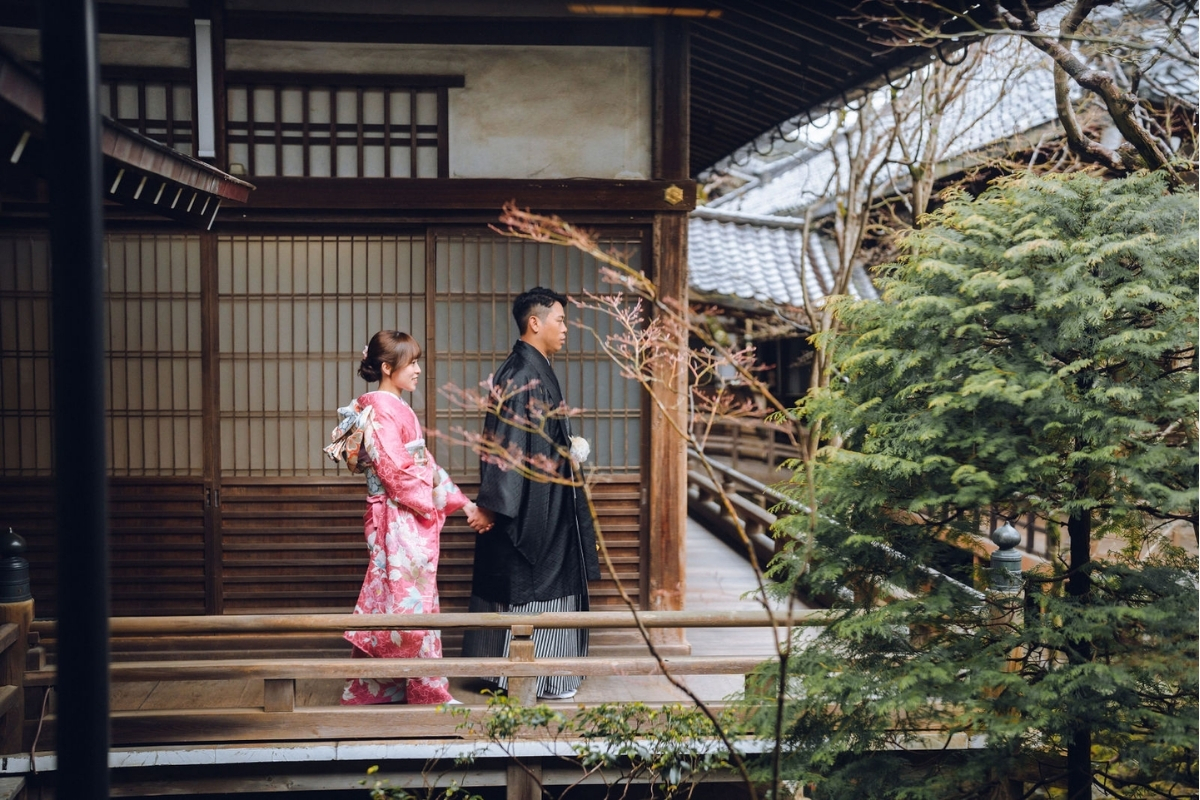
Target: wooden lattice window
[(295, 312), (152, 345), (155, 393), (342, 126), (478, 276), (155, 103), (25, 413)]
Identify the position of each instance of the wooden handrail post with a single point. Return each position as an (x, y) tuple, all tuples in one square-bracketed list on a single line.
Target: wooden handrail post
[(520, 648), (279, 694), (524, 780), (16, 607)]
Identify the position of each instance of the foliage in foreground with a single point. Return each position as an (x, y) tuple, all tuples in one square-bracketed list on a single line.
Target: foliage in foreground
[(1035, 353), (664, 751)]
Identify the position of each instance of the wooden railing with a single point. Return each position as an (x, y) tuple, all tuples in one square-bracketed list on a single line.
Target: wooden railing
[(281, 718), (12, 659), (749, 498), (17, 655)]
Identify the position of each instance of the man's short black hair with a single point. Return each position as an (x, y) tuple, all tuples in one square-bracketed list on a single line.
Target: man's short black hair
[(535, 302)]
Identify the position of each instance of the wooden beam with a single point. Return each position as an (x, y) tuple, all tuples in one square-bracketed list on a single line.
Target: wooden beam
[(312, 623), (285, 669), (430, 194), (348, 27), (304, 724)]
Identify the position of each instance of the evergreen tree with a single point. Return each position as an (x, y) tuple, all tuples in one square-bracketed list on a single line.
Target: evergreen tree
[(1035, 352)]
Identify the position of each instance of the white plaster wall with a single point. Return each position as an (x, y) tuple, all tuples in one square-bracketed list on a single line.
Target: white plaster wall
[(130, 51), (525, 112)]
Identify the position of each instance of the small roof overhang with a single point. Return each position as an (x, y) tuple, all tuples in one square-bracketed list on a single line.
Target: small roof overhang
[(138, 171)]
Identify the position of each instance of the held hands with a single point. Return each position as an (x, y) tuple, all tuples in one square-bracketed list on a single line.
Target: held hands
[(480, 519)]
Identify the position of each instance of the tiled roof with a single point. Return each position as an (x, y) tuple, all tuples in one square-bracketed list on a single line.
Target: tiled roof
[(759, 258), (1009, 101), (998, 106)]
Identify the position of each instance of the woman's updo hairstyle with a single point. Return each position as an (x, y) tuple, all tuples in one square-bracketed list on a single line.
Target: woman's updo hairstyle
[(395, 348)]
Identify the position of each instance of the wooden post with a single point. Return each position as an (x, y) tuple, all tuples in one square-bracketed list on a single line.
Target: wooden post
[(668, 452), (210, 336), (524, 781), (279, 694), (667, 464), (520, 648), (71, 79)]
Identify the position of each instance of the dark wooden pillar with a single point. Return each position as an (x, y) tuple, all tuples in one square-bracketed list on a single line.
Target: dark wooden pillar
[(210, 342), (71, 79), (667, 465)]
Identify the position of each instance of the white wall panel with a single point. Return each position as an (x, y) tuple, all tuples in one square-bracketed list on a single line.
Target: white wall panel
[(525, 112)]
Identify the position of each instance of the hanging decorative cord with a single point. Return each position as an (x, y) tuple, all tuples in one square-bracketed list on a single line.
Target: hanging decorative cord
[(908, 75), (733, 157), (942, 56), (827, 116), (783, 137), (852, 107), (770, 145)]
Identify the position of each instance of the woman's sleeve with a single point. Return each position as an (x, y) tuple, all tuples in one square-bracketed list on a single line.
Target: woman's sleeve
[(452, 498), (405, 481)]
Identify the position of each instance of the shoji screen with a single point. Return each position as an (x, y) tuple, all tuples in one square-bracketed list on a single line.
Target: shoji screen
[(25, 431), (155, 394), (295, 313), (155, 414), (478, 275), (153, 346)]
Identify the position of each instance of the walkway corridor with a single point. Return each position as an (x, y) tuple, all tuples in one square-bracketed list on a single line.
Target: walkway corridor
[(718, 579)]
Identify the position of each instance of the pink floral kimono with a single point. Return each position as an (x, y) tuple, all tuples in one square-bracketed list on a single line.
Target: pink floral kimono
[(408, 499)]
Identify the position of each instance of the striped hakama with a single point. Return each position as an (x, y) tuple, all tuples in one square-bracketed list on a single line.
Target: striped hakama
[(547, 642)]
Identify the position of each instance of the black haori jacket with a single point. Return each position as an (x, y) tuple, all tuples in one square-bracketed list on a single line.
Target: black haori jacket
[(543, 544)]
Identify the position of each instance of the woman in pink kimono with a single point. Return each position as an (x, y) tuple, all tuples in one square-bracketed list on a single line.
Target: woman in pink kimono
[(408, 498)]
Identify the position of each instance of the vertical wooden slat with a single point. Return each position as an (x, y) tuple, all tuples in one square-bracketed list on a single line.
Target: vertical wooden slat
[(359, 129), (259, 364), (278, 129), (211, 377), (333, 155), (387, 132), (304, 129), (250, 126), (220, 97), (443, 132), (431, 343), (412, 133), (170, 113), (141, 107)]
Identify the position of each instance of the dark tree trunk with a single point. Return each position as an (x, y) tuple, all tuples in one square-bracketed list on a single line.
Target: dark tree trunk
[(1079, 584)]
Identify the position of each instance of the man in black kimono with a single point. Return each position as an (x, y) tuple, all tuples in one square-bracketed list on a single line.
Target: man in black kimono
[(537, 547)]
